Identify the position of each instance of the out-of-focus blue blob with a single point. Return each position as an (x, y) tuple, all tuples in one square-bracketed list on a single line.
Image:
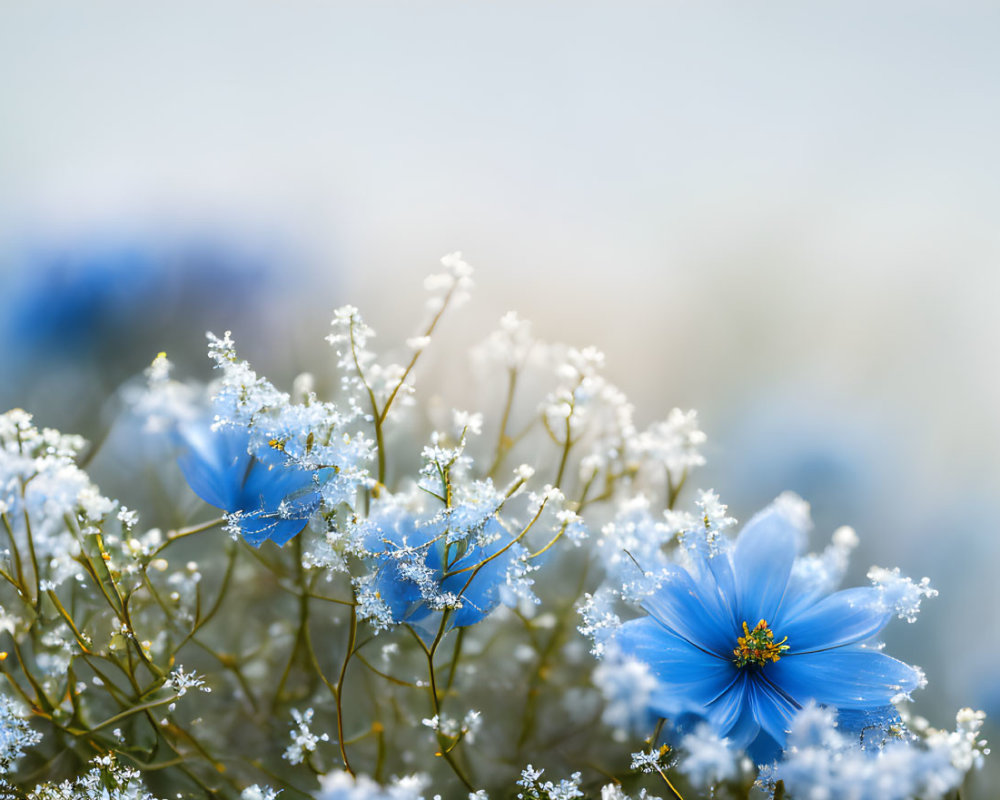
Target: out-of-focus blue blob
[(77, 318), (273, 499), (75, 301)]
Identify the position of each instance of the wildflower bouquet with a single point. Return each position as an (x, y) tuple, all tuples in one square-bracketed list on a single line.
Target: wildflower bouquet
[(396, 599)]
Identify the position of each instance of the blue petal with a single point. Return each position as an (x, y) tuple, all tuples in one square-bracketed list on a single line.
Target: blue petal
[(850, 677), (693, 612), (398, 594), (868, 723), (773, 710), (722, 571), (717, 588), (214, 463), (261, 527), (690, 679), (762, 562), (732, 715), (764, 749), (220, 470), (394, 526), (264, 492), (479, 587), (843, 618)]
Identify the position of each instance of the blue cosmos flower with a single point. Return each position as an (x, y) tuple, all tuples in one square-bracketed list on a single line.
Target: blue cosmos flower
[(744, 641), (419, 573), (273, 498)]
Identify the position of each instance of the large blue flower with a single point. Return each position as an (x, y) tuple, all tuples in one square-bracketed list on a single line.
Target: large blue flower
[(418, 574), (274, 499), (744, 641)]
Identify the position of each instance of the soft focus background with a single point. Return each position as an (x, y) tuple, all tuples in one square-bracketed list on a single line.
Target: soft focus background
[(783, 215)]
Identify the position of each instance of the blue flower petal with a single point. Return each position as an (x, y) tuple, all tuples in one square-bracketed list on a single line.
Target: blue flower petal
[(869, 723), (764, 749), (690, 611), (731, 713), (713, 574), (479, 587), (848, 677), (401, 596), (762, 562), (261, 527), (690, 679), (843, 618), (275, 501), (214, 463), (772, 709)]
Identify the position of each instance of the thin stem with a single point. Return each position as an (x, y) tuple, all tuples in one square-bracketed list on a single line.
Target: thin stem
[(504, 441), (376, 416), (384, 675), (455, 655), (417, 353), (182, 533), (80, 639), (134, 710), (33, 555), (672, 490), (567, 445), (677, 794), (474, 568), (352, 634), (18, 567), (444, 752)]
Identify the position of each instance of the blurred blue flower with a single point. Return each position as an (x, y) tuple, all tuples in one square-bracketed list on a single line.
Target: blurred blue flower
[(422, 569), (79, 301), (272, 499), (744, 641)]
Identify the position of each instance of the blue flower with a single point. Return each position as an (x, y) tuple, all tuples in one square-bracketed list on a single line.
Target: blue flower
[(744, 641), (271, 498), (423, 570)]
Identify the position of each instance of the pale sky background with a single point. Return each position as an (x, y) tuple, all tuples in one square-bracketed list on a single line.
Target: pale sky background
[(782, 214)]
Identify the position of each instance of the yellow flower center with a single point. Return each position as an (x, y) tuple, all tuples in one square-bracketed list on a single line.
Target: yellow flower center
[(757, 646)]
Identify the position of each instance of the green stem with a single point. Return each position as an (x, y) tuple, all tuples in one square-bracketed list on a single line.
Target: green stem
[(18, 566), (443, 750), (502, 438), (352, 634), (182, 533)]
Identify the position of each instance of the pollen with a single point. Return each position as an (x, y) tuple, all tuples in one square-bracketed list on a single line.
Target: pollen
[(757, 646)]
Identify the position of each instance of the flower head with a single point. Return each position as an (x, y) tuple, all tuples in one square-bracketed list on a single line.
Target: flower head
[(269, 498), (744, 640), (421, 571)]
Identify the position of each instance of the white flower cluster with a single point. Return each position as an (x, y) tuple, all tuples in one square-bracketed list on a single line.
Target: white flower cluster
[(627, 686), (106, 780), (900, 594), (311, 434), (343, 786), (708, 760), (821, 763), (180, 681), (15, 734), (304, 741), (675, 443), (535, 789), (40, 481), (256, 792), (449, 726)]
